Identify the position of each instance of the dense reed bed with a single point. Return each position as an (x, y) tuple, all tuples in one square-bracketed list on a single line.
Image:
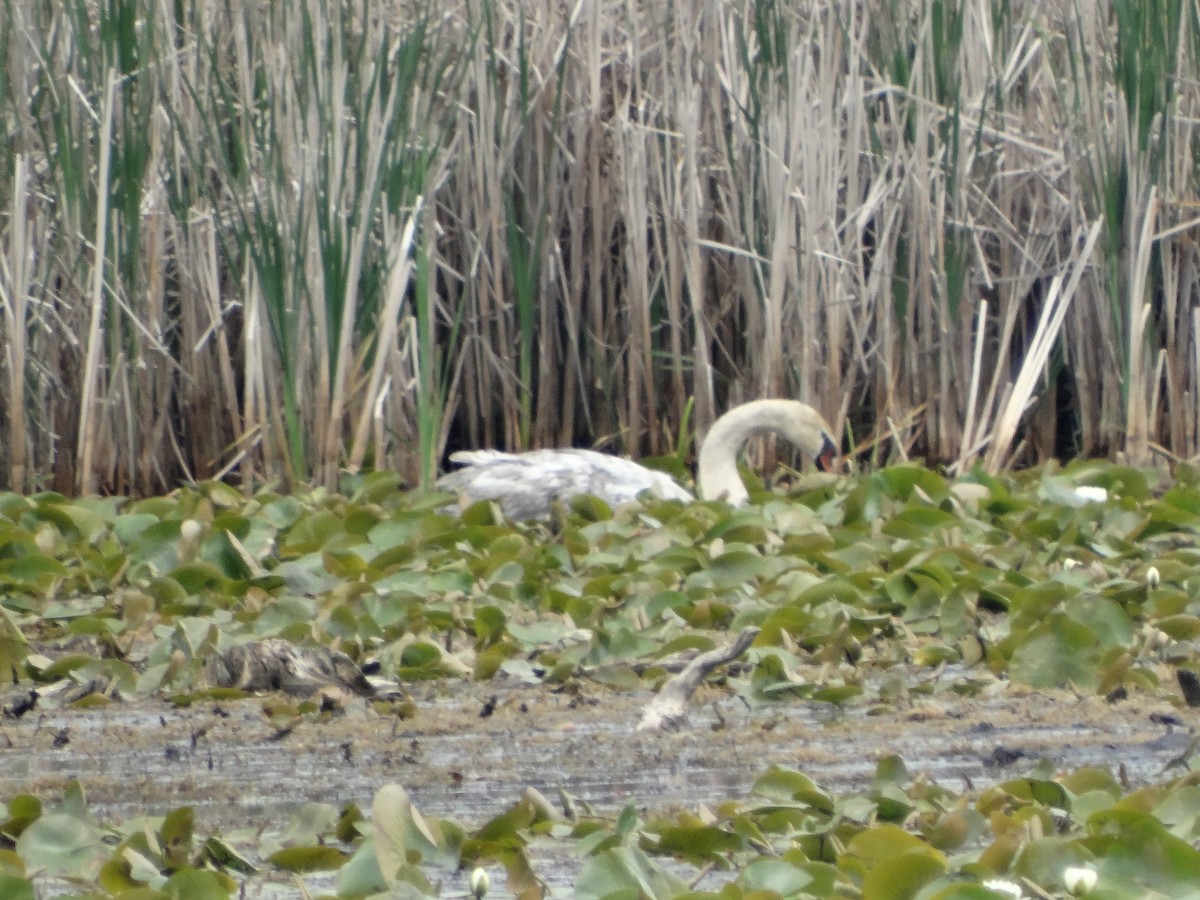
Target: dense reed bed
[(278, 240)]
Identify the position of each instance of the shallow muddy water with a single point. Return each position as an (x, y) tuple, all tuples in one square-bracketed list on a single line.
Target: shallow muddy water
[(229, 762)]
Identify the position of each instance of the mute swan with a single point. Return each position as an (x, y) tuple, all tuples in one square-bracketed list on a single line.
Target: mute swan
[(526, 484)]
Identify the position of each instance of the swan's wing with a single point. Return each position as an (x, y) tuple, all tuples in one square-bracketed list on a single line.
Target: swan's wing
[(527, 484), (482, 457), (618, 480)]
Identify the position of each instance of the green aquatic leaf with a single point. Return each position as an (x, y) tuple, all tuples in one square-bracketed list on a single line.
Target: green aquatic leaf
[(1135, 852), (1036, 790), (620, 641), (309, 824), (37, 571), (625, 872), (903, 481), (885, 841), (917, 522), (308, 859), (1056, 653), (226, 555), (732, 568), (360, 875), (377, 487), (781, 784), (618, 678), (420, 656), (1180, 627), (199, 576), (890, 771), (63, 843), (397, 829), (903, 876), (200, 884), (1106, 620), (22, 810), (312, 533), (778, 877), (741, 527), (698, 843), (509, 824), (218, 853), (14, 887), (837, 694), (76, 521), (282, 513)]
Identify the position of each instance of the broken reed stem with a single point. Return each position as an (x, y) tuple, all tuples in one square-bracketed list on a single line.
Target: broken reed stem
[(968, 430), (1057, 301), (668, 709)]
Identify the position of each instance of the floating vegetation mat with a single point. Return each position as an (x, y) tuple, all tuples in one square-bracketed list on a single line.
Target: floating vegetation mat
[(342, 626)]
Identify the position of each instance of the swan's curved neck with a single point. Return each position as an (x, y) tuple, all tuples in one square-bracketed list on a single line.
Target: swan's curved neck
[(717, 473)]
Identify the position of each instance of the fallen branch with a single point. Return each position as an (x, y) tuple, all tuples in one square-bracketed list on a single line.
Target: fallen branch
[(667, 711)]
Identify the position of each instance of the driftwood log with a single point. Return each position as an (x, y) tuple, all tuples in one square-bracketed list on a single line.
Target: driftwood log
[(668, 710)]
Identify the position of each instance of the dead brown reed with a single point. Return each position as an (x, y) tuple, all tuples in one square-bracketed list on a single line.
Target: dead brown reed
[(251, 244)]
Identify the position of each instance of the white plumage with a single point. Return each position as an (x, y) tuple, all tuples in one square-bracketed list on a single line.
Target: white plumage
[(527, 484)]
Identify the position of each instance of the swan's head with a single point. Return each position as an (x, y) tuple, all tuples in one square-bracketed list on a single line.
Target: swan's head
[(796, 422), (807, 429)]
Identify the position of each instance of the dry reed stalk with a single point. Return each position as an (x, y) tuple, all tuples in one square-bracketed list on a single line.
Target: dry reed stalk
[(257, 419), (693, 282), (150, 405), (320, 152), (211, 311), (88, 437), (1137, 422), (481, 201), (400, 272), (670, 183), (1193, 409), (632, 160), (16, 271), (783, 143), (342, 358), (730, 199), (845, 265)]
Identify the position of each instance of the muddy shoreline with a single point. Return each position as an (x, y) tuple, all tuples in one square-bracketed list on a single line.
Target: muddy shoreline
[(229, 759), (231, 763)]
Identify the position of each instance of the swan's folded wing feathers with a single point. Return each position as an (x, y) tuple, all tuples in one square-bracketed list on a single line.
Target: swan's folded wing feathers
[(527, 484), (617, 480), (482, 457)]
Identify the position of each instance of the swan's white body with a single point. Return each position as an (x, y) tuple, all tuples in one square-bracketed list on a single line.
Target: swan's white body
[(527, 484)]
